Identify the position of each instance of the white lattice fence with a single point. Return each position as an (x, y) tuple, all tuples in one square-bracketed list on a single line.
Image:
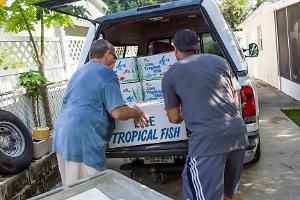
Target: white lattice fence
[(21, 51), (18, 50), (17, 103), (74, 46), (57, 71), (130, 51)]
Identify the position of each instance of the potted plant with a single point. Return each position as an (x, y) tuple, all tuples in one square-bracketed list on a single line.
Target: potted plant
[(34, 84)]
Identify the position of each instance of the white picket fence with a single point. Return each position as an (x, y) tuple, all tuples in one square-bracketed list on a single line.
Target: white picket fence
[(61, 58)]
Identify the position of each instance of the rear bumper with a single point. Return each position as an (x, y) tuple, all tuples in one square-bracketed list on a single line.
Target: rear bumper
[(179, 148), (254, 140)]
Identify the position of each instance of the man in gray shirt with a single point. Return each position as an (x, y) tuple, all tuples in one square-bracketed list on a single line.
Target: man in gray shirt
[(203, 91)]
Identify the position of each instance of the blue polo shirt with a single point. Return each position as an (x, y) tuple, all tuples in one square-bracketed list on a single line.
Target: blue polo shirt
[(84, 125)]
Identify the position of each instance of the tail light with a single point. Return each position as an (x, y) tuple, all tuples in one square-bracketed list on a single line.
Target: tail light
[(248, 104)]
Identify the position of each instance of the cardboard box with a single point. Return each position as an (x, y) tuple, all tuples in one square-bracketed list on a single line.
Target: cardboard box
[(126, 69), (127, 133), (132, 92), (152, 90), (155, 66)]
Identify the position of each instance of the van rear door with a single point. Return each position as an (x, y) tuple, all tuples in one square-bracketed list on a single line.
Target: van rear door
[(86, 10), (224, 36), (76, 8)]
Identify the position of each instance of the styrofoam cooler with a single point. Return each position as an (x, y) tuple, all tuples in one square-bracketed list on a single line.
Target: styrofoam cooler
[(152, 90), (127, 133), (106, 185), (126, 69), (155, 66), (132, 92)]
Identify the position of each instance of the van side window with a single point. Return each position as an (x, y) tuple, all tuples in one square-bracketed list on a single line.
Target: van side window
[(126, 51), (211, 46)]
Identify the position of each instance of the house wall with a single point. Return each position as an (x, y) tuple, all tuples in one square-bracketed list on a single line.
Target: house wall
[(265, 66), (290, 88), (79, 31)]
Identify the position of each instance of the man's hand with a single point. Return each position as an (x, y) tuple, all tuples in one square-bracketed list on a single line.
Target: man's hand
[(125, 113), (174, 115), (141, 118)]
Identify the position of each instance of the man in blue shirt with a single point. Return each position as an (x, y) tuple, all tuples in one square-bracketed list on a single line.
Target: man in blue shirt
[(202, 90), (85, 123)]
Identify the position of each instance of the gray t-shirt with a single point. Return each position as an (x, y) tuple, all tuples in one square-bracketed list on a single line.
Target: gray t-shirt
[(203, 86)]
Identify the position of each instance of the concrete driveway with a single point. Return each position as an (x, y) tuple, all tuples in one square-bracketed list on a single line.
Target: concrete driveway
[(276, 175)]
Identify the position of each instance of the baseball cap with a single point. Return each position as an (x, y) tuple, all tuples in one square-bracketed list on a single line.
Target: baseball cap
[(186, 40)]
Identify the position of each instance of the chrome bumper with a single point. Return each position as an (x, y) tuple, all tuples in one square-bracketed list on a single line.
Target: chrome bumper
[(251, 149)]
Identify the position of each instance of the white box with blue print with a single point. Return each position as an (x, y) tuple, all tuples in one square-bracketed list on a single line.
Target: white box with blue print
[(155, 66), (126, 70), (128, 133)]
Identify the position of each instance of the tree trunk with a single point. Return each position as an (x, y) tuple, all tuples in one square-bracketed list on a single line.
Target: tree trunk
[(34, 111), (38, 112), (40, 61), (35, 49), (45, 96), (46, 104)]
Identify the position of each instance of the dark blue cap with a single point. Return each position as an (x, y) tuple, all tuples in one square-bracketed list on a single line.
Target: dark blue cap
[(186, 40)]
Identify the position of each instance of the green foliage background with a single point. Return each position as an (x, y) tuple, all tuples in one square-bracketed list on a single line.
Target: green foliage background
[(235, 11), (13, 20)]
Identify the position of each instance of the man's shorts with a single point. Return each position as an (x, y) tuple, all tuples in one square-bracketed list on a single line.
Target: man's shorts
[(209, 177)]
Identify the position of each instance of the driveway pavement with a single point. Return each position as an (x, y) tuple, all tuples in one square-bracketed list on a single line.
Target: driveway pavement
[(277, 174)]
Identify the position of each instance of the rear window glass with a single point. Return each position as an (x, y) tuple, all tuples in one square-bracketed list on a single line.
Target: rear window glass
[(160, 46), (126, 51), (206, 43), (210, 46)]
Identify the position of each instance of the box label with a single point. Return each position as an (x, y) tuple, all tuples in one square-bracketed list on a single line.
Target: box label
[(132, 92), (126, 70), (154, 67), (128, 133), (152, 90)]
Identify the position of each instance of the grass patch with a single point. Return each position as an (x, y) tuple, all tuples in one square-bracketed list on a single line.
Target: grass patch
[(293, 114)]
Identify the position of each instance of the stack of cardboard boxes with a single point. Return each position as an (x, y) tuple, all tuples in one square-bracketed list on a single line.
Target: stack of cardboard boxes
[(130, 85), (140, 83), (140, 78), (152, 70)]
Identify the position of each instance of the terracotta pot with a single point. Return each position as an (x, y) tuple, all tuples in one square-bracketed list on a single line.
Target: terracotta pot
[(40, 133)]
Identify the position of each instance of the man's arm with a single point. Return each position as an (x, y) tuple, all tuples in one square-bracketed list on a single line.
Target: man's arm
[(235, 86), (115, 105), (236, 98), (125, 113), (174, 115), (172, 101)]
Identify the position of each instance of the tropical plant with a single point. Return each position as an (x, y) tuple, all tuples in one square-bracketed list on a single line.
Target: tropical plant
[(23, 15), (34, 84)]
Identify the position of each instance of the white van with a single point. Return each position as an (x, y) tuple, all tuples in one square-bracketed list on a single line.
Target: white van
[(139, 28)]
